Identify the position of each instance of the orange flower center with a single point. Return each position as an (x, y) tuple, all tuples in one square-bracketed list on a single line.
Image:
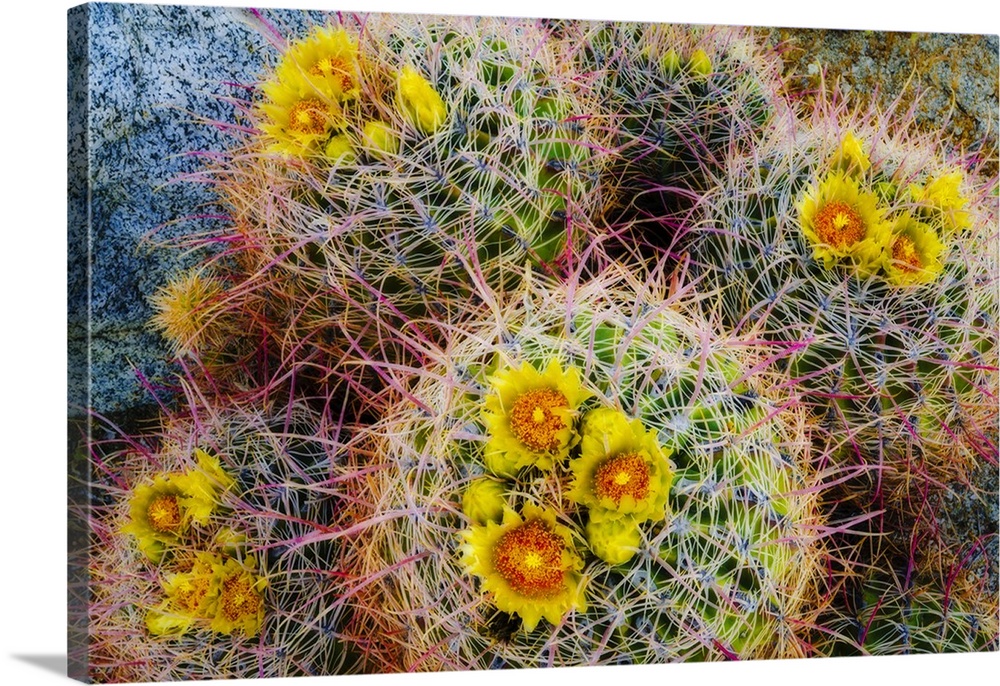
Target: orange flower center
[(530, 560), (192, 596), (164, 514), (334, 67), (308, 117), (840, 225), (239, 599), (533, 421), (625, 474), (904, 254)]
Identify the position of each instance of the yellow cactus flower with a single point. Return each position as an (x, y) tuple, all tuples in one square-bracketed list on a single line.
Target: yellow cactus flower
[(157, 516), (194, 591), (700, 63), (184, 310), (164, 621), (914, 252), (230, 541), (843, 224), (418, 100), (203, 486), (528, 564), (614, 541), (850, 157), (530, 417), (240, 602), (483, 501), (381, 138), (161, 512), (339, 149), (323, 65), (670, 63), (942, 200), (296, 126), (191, 597), (622, 471)]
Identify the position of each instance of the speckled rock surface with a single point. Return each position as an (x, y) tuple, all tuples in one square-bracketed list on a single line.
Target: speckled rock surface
[(139, 74), (972, 523), (951, 79)]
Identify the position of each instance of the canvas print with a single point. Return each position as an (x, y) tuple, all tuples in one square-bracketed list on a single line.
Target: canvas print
[(423, 343)]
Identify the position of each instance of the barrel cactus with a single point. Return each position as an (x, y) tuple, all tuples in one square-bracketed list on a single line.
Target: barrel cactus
[(679, 101), (587, 475), (913, 608), (392, 164), (213, 553), (858, 241)]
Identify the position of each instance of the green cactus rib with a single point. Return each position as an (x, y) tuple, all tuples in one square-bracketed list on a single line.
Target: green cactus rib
[(276, 518), (884, 365), (890, 617), (728, 573), (416, 232)]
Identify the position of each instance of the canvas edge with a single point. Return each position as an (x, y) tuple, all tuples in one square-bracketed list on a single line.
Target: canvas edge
[(78, 345)]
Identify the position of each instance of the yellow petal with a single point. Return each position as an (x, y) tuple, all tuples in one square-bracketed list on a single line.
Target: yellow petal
[(420, 103)]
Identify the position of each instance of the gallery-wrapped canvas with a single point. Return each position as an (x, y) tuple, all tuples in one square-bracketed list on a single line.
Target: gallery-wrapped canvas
[(404, 342)]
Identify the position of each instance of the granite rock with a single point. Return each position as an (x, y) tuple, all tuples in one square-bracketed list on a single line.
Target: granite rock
[(142, 80), (949, 78)]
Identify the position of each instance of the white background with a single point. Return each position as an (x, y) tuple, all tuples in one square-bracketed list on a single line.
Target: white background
[(33, 333)]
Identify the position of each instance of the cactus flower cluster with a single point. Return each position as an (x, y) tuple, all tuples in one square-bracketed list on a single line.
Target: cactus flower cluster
[(538, 343), (592, 461), (215, 535), (203, 586)]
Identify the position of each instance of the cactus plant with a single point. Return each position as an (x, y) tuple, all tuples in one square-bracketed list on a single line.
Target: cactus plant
[(680, 101), (588, 476), (214, 548), (859, 241), (392, 164), (929, 603)]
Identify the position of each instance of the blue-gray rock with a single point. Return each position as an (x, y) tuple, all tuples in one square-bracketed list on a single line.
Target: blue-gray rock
[(140, 76)]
